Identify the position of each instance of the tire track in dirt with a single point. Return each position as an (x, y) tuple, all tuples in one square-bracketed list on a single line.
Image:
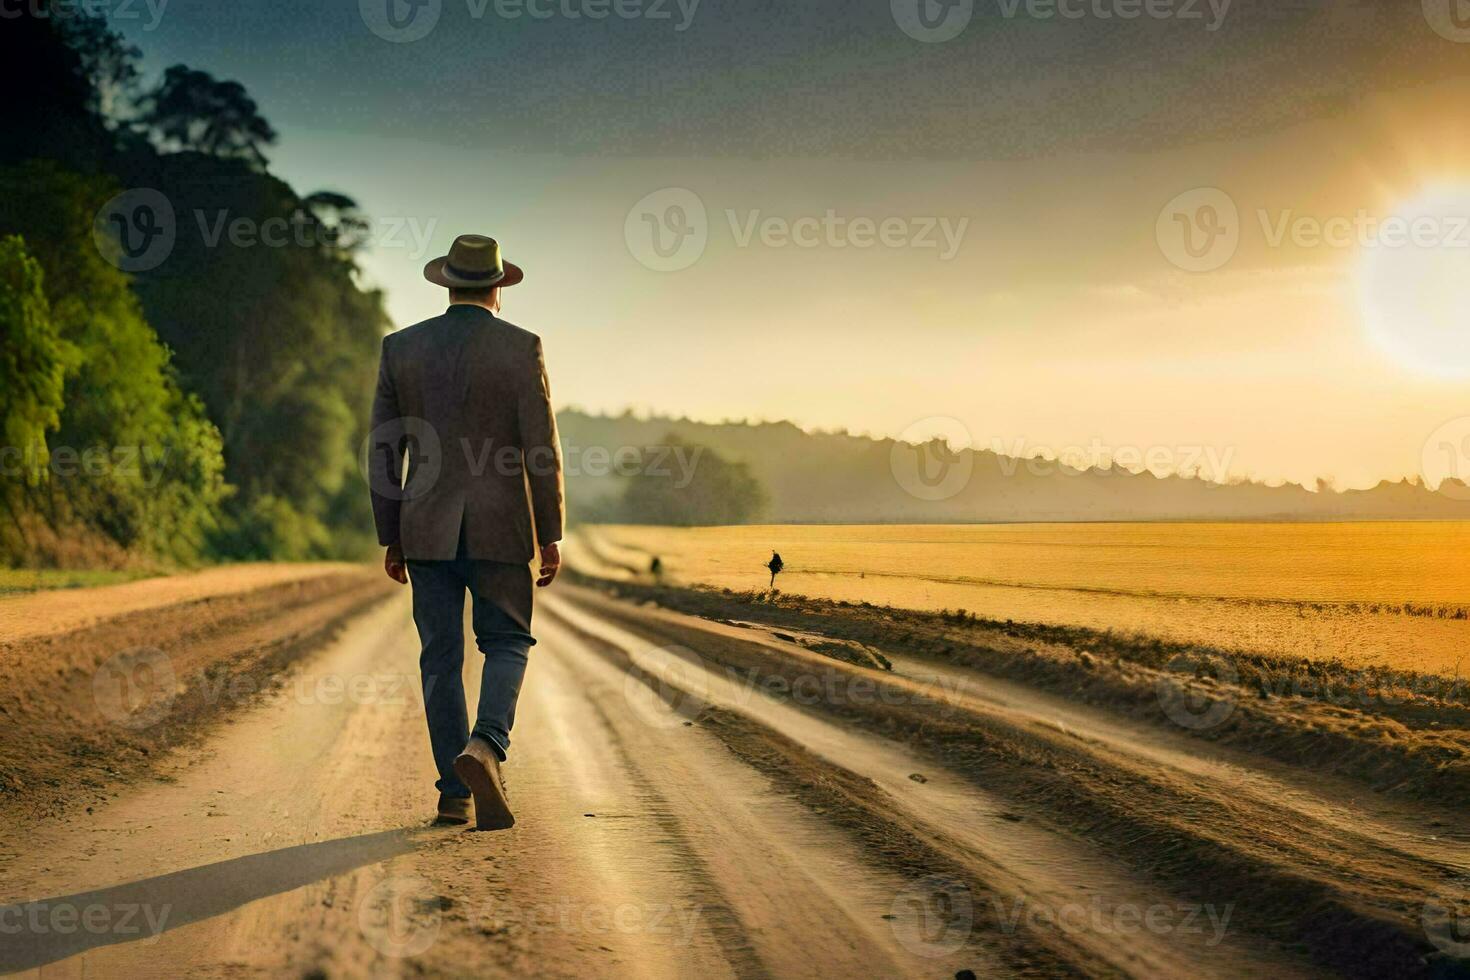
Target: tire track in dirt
[(1017, 865), (1350, 892), (789, 897)]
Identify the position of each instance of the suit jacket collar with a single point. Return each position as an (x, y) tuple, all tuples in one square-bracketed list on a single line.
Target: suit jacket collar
[(468, 310)]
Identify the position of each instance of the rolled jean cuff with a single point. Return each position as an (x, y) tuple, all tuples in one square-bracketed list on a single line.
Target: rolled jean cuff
[(500, 743)]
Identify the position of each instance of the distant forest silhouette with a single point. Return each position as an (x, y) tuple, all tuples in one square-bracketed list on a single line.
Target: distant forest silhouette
[(839, 478)]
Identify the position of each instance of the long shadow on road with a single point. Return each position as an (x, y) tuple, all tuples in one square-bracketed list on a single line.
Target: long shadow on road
[(33, 934)]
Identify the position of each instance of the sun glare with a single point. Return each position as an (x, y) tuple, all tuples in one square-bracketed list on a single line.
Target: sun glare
[(1414, 281)]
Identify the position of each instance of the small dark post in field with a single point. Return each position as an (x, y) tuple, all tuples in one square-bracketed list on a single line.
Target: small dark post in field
[(775, 565)]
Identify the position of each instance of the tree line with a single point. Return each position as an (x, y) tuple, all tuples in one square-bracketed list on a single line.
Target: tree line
[(204, 405)]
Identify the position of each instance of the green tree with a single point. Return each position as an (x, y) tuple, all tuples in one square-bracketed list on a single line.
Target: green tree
[(134, 458), (281, 343), (34, 361), (274, 340), (193, 110), (696, 486)]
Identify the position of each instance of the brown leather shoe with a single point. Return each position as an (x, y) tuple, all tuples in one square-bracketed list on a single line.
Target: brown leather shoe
[(453, 811), (479, 767)]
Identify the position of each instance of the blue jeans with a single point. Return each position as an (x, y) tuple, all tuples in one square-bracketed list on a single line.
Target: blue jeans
[(500, 615)]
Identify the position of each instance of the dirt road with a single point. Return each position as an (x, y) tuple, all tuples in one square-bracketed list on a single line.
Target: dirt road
[(699, 798), (63, 610)]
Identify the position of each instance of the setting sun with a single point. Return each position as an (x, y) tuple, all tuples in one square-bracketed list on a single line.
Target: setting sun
[(1411, 280)]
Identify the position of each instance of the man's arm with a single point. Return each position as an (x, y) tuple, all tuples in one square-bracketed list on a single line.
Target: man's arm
[(542, 447), (383, 457)]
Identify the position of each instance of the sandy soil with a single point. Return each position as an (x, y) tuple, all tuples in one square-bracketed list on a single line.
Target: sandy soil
[(63, 610), (104, 699), (704, 798), (294, 841)]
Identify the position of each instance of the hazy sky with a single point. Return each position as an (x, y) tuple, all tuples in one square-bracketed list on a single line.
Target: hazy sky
[(862, 225)]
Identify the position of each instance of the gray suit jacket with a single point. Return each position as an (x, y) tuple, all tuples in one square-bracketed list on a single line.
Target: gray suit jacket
[(464, 397)]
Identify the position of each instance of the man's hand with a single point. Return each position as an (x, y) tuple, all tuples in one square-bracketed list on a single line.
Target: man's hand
[(394, 564), (550, 563)]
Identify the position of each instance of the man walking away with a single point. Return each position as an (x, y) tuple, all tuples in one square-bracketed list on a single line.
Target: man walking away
[(462, 427)]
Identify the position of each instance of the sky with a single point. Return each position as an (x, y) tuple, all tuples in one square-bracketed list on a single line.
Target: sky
[(1030, 225)]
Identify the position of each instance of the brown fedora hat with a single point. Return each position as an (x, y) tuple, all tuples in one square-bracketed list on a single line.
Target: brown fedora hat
[(473, 262)]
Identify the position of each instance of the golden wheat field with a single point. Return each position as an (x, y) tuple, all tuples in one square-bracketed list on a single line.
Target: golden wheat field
[(1366, 593)]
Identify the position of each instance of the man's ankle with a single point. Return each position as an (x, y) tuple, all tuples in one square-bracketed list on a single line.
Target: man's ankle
[(492, 743)]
